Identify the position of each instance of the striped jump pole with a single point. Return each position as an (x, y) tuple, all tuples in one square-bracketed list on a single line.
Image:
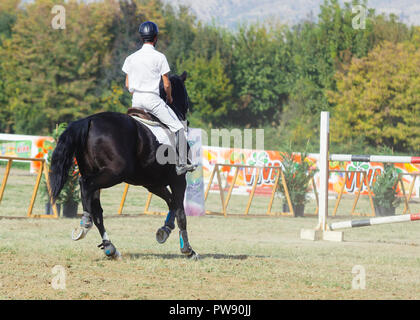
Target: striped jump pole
[(373, 221), (372, 158)]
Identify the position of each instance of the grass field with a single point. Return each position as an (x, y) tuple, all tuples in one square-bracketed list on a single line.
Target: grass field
[(241, 257)]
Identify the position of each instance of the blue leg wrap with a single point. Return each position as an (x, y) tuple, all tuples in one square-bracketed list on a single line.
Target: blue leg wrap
[(181, 242), (170, 220), (86, 221)]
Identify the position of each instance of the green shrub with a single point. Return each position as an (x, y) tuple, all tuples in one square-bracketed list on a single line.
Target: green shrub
[(297, 175), (385, 188)]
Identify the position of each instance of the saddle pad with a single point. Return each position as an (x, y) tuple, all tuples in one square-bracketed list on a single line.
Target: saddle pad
[(149, 122), (162, 134)]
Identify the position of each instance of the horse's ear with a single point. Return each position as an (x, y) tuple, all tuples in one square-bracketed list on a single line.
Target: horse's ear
[(184, 76)]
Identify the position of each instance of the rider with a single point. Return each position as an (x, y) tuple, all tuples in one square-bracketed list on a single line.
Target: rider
[(144, 69)]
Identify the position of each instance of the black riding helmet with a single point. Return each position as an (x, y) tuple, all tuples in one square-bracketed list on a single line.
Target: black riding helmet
[(148, 30)]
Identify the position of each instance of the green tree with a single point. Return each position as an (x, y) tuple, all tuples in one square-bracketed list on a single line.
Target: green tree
[(321, 48), (208, 87), (318, 50), (8, 12), (115, 99), (180, 34), (378, 98), (52, 75), (259, 74)]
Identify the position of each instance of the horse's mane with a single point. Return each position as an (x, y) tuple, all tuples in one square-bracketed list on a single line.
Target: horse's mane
[(178, 90)]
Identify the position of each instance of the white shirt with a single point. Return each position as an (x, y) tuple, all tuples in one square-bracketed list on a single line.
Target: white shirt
[(145, 68)]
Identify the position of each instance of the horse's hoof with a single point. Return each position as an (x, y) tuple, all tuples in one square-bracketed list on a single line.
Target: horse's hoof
[(162, 234), (116, 256), (187, 250), (110, 250), (193, 255), (79, 233), (83, 229)]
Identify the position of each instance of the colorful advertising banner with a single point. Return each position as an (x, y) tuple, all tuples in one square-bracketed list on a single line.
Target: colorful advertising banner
[(372, 169), (246, 176), (21, 149), (23, 146)]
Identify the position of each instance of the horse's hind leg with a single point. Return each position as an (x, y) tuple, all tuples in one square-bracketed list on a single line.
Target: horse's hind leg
[(92, 212), (163, 233), (98, 220), (86, 222)]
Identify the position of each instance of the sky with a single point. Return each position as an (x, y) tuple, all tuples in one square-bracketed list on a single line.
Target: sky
[(230, 13)]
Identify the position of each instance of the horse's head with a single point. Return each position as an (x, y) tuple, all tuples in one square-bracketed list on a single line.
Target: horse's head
[(181, 101)]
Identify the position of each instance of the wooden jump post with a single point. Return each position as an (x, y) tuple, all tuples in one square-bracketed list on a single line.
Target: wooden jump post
[(259, 169), (43, 169), (410, 189), (146, 207), (340, 194)]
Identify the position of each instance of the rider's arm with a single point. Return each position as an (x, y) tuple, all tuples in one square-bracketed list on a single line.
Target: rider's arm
[(167, 86), (126, 83)]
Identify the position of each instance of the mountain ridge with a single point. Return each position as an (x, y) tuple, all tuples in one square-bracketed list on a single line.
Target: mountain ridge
[(230, 13)]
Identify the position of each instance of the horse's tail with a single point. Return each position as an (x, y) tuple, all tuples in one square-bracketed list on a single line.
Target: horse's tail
[(70, 141)]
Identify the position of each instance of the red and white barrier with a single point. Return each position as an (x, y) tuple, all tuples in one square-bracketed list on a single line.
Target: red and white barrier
[(374, 221), (372, 158)]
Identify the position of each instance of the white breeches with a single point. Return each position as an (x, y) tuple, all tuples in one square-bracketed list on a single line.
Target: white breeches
[(156, 106)]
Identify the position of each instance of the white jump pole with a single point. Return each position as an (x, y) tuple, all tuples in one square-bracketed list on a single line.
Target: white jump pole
[(324, 142), (321, 232)]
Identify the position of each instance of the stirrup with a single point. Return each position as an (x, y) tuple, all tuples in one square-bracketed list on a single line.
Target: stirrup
[(183, 168)]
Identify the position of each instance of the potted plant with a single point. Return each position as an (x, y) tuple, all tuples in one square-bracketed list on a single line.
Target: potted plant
[(69, 197), (385, 198), (297, 175), (46, 198)]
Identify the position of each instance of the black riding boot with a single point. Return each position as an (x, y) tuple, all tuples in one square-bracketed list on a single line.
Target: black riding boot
[(184, 163)]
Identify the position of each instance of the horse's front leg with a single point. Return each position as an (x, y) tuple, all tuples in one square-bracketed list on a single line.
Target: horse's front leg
[(184, 243), (181, 220), (162, 234)]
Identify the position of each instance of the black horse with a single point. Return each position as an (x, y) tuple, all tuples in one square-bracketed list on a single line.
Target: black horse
[(111, 148)]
